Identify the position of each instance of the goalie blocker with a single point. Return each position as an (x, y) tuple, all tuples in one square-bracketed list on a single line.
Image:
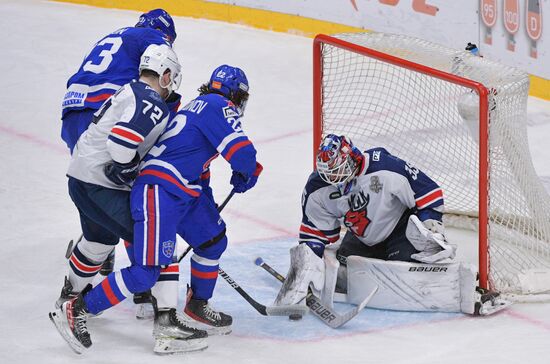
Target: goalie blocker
[(402, 286)]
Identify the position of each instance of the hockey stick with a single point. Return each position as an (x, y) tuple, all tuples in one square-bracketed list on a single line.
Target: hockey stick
[(325, 314), (262, 309), (220, 209)]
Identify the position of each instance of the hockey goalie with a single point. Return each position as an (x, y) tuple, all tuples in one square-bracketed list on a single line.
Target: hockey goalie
[(394, 242)]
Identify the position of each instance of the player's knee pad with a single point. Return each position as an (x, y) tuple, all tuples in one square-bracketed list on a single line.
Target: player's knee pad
[(140, 278), (213, 248)]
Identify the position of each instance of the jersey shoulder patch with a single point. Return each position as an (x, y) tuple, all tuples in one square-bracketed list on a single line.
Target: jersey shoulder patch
[(381, 159)]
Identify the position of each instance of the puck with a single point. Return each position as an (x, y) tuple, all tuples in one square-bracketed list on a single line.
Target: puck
[(295, 317)]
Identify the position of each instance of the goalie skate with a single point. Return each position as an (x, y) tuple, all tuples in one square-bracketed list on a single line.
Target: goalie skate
[(173, 336), (489, 302)]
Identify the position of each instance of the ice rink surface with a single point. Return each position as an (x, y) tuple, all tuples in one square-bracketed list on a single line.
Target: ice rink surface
[(44, 43)]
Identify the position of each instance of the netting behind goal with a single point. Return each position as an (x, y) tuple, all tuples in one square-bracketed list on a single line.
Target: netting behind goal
[(462, 120)]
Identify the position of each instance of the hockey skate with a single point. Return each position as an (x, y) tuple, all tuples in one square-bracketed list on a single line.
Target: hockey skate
[(67, 293), (144, 302), (489, 302), (200, 315), (108, 265), (70, 322), (173, 336)]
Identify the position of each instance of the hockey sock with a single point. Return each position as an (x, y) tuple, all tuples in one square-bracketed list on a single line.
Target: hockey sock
[(130, 251), (166, 288), (83, 269), (204, 273)]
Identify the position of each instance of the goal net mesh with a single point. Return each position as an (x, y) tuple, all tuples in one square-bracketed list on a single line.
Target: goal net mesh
[(434, 124)]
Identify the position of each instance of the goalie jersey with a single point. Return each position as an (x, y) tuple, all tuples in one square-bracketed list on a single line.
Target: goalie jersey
[(203, 129), (113, 62), (129, 122), (384, 189)]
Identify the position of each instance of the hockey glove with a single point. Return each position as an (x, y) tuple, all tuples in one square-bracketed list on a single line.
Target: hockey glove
[(242, 183), (122, 174), (432, 246)]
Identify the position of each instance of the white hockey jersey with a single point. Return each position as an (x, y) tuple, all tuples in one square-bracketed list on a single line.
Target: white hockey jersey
[(371, 207), (129, 122)]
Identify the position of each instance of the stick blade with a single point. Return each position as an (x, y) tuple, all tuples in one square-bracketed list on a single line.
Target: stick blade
[(342, 319)]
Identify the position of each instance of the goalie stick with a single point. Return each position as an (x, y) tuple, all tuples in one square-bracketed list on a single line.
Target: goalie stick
[(327, 315), (262, 309)]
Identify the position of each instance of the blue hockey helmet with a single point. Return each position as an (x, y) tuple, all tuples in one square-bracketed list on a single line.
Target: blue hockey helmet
[(161, 20), (338, 159), (232, 83)]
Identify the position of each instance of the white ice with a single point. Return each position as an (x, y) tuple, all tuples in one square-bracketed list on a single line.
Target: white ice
[(43, 43)]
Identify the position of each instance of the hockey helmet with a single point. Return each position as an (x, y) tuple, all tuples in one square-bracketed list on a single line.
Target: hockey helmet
[(161, 20), (232, 83), (337, 159), (161, 58)]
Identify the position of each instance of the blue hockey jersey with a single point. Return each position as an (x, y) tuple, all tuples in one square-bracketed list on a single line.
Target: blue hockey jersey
[(113, 62), (203, 129)]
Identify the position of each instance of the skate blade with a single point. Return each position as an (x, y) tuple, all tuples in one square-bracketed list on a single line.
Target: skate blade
[(171, 346), (210, 330), (489, 309), (66, 333)]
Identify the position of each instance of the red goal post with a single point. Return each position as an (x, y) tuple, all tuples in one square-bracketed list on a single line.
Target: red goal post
[(398, 89)]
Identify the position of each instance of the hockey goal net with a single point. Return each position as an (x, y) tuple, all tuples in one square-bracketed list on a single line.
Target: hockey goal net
[(459, 118)]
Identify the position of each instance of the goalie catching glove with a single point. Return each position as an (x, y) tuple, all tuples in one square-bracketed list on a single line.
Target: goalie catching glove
[(429, 239)]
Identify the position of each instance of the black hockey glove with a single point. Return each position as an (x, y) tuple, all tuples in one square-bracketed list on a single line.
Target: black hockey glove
[(122, 174)]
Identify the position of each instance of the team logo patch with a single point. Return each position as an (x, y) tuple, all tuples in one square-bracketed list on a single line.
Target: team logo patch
[(168, 248), (375, 185), (356, 218)]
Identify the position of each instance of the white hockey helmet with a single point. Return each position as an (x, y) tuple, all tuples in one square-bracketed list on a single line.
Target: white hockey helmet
[(160, 58), (337, 159)]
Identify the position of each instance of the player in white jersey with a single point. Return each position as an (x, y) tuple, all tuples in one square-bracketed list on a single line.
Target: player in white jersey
[(394, 243), (103, 167)]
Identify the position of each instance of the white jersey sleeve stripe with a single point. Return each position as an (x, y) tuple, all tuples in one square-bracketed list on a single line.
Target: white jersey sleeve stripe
[(228, 139)]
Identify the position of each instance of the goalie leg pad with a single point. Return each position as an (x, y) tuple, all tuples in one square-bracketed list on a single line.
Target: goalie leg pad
[(306, 270), (404, 286)]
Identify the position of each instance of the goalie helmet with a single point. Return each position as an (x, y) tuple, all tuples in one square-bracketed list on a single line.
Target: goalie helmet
[(337, 159), (232, 83), (161, 20), (161, 58)]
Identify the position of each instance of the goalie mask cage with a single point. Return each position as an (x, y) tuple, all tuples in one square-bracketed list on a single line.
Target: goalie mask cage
[(459, 118)]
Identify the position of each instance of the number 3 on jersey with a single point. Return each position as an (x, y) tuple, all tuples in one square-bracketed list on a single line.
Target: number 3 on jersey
[(105, 57)]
